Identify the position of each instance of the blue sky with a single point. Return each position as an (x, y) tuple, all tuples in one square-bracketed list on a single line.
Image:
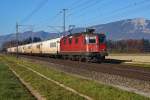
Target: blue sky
[(79, 13)]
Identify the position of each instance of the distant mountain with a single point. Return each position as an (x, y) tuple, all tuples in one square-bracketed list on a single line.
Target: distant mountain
[(22, 36), (137, 28), (126, 29)]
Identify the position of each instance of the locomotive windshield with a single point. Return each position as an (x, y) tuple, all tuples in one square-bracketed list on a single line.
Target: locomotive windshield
[(91, 39), (102, 38)]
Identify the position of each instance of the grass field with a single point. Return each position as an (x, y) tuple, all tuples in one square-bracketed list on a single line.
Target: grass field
[(53, 92), (10, 86)]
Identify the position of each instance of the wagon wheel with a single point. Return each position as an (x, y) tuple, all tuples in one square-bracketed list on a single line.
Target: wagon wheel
[(103, 58), (65, 57), (82, 59)]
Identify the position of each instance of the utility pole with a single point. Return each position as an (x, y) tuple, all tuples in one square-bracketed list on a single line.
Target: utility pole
[(17, 36), (31, 28), (71, 27), (17, 26), (64, 20), (57, 30)]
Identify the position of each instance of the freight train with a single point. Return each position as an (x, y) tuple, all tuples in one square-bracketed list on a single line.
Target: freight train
[(84, 46)]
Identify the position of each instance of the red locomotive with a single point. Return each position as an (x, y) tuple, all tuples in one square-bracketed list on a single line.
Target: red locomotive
[(86, 46)]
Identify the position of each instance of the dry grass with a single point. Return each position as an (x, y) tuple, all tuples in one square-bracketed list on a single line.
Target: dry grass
[(141, 58)]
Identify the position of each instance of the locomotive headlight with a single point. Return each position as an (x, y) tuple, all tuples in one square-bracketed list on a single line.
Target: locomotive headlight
[(103, 49)]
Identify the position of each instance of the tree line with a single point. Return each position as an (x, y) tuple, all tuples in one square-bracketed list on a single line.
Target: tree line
[(119, 46), (14, 43), (129, 46)]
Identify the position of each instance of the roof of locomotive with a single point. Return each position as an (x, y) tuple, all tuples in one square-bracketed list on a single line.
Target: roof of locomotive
[(79, 34)]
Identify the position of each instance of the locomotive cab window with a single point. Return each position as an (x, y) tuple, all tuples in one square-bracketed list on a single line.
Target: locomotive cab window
[(70, 40), (76, 40), (64, 41), (91, 39)]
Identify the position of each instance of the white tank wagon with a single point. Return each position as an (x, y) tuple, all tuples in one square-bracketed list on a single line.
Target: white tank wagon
[(8, 49), (14, 49), (20, 49), (51, 46), (27, 48), (48, 47), (36, 48)]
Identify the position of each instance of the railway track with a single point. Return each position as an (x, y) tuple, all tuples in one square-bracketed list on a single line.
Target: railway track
[(113, 69)]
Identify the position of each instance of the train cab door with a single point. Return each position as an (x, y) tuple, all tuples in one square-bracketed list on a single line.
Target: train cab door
[(58, 46), (40, 48), (91, 43), (102, 42)]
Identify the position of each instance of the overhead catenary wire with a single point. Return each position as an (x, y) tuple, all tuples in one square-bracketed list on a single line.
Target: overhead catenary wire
[(79, 7), (63, 11), (52, 19), (86, 7), (39, 6), (135, 4), (57, 30), (115, 11), (57, 15), (80, 4), (74, 4)]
